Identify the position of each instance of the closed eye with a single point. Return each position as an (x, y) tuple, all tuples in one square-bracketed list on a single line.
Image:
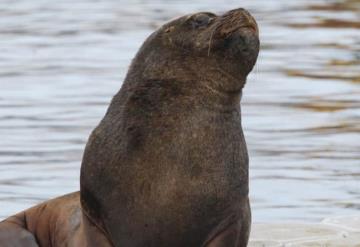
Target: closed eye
[(202, 20)]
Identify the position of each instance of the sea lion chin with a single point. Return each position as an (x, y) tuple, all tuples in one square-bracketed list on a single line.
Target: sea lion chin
[(168, 164)]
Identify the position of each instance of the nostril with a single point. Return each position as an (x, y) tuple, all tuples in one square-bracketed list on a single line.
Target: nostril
[(240, 12), (241, 18)]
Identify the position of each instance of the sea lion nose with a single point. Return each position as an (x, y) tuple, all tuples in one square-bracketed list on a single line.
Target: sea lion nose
[(239, 31), (240, 12), (241, 18)]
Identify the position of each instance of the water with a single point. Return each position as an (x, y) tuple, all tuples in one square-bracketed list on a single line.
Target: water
[(61, 63)]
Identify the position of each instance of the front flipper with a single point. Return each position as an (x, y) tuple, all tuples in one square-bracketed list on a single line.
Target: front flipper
[(233, 236), (12, 235)]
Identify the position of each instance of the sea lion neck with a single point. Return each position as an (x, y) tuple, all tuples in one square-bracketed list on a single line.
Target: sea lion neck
[(197, 78), (189, 89)]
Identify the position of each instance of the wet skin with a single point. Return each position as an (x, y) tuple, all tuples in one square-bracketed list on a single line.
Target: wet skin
[(168, 164)]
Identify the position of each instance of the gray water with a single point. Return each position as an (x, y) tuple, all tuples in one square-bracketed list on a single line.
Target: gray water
[(62, 61)]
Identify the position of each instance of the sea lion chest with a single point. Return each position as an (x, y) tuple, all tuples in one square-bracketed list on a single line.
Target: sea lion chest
[(173, 163)]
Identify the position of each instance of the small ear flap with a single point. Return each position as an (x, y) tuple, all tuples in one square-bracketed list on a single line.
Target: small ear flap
[(169, 29)]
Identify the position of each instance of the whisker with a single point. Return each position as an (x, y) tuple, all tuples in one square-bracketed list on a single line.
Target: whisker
[(216, 28), (211, 37)]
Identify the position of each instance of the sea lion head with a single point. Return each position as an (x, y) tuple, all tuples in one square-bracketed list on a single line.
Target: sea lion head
[(205, 46)]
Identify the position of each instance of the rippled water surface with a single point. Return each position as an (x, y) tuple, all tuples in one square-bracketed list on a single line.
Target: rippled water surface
[(61, 62)]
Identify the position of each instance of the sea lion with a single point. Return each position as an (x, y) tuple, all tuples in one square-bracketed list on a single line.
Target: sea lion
[(168, 164)]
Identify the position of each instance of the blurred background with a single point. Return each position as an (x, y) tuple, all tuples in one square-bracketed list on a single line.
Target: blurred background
[(61, 63)]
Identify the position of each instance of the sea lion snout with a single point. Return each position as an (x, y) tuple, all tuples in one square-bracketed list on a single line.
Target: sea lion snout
[(237, 33), (236, 20), (235, 36)]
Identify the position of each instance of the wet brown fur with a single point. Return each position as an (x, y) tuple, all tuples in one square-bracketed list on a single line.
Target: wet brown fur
[(168, 164)]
